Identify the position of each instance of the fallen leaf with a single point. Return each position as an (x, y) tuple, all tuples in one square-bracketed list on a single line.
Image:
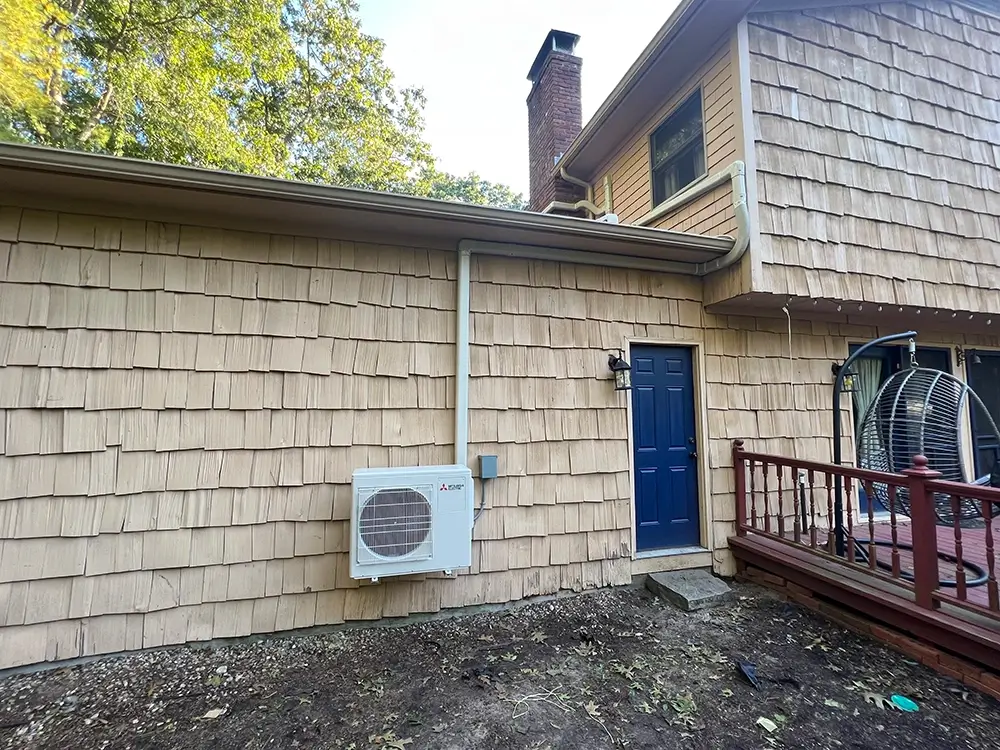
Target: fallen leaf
[(438, 728), (879, 700), (592, 709), (214, 713), (833, 704), (769, 725), (538, 636)]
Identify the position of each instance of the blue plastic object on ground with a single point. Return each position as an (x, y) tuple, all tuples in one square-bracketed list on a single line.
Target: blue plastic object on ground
[(904, 704)]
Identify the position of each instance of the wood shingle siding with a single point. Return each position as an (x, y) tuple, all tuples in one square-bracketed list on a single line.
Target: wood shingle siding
[(181, 409), (878, 166), (629, 169)]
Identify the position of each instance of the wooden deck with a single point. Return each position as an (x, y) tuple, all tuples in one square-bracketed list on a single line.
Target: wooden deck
[(973, 542), (964, 633), (786, 509)]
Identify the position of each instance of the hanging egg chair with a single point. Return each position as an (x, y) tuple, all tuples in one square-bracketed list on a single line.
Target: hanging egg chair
[(919, 411)]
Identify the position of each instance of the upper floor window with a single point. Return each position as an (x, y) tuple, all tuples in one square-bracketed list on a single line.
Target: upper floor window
[(678, 150)]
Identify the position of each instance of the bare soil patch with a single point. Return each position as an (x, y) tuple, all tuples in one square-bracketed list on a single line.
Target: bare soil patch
[(609, 669)]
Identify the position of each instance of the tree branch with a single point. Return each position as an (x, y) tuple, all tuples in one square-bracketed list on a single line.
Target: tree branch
[(97, 114)]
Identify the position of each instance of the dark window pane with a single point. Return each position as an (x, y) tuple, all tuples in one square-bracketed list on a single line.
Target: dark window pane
[(932, 359), (984, 379), (678, 150), (986, 459)]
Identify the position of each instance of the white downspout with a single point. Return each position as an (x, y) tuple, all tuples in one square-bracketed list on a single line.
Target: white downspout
[(462, 358), (738, 172), (735, 174), (587, 187), (565, 206)]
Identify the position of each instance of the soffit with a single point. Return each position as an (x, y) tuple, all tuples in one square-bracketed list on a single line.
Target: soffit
[(681, 46)]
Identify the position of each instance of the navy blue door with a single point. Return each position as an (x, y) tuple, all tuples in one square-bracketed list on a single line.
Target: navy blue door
[(663, 435)]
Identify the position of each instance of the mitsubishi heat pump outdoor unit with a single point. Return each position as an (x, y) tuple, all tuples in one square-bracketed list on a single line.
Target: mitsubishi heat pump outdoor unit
[(411, 520)]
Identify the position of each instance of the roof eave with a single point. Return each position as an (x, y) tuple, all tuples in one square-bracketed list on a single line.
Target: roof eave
[(632, 110), (98, 177)]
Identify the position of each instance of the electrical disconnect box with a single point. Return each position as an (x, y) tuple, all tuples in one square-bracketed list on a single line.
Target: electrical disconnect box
[(487, 467)]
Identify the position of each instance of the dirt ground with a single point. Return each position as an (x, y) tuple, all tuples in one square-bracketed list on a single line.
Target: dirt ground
[(610, 669)]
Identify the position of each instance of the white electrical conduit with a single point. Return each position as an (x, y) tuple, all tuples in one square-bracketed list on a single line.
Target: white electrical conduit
[(736, 174)]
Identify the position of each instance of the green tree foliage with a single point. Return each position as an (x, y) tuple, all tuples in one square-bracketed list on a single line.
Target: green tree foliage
[(474, 189), (30, 59), (286, 88)]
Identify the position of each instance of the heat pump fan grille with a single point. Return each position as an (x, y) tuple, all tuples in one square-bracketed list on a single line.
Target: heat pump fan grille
[(395, 522)]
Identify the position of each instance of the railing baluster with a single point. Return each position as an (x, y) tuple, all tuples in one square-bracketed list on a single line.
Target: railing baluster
[(812, 510), (872, 547), (895, 535), (991, 583), (925, 490), (830, 542), (767, 499), (781, 506), (797, 509), (849, 510), (956, 509)]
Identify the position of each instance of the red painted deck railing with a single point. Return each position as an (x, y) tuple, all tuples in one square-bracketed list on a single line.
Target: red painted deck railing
[(931, 551)]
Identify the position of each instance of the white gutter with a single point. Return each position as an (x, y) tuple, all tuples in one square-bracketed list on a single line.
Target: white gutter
[(735, 174), (120, 171)]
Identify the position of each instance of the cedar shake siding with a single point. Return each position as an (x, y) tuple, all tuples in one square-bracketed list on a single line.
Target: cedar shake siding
[(181, 409), (876, 142), (629, 169)]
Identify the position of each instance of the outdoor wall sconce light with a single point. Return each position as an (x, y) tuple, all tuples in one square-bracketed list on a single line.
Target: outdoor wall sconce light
[(850, 378), (961, 356), (622, 371)]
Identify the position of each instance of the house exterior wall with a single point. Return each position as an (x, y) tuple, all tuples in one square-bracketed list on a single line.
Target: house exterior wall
[(877, 158), (630, 172), (181, 409)]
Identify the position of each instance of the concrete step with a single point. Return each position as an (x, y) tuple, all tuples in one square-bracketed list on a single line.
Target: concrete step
[(689, 590)]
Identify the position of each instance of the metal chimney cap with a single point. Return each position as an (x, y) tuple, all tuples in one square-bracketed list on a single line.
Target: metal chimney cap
[(555, 41)]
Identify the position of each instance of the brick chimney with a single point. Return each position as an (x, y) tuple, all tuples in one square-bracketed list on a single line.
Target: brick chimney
[(555, 117)]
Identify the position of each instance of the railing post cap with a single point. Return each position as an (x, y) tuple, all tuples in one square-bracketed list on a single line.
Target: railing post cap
[(921, 469), (738, 444)]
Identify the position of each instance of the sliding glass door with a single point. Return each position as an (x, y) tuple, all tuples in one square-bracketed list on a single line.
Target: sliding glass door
[(983, 371), (877, 366)]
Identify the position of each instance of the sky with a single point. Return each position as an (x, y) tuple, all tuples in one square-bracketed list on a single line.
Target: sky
[(472, 57)]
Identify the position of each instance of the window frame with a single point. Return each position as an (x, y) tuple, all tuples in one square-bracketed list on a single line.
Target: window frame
[(654, 167)]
